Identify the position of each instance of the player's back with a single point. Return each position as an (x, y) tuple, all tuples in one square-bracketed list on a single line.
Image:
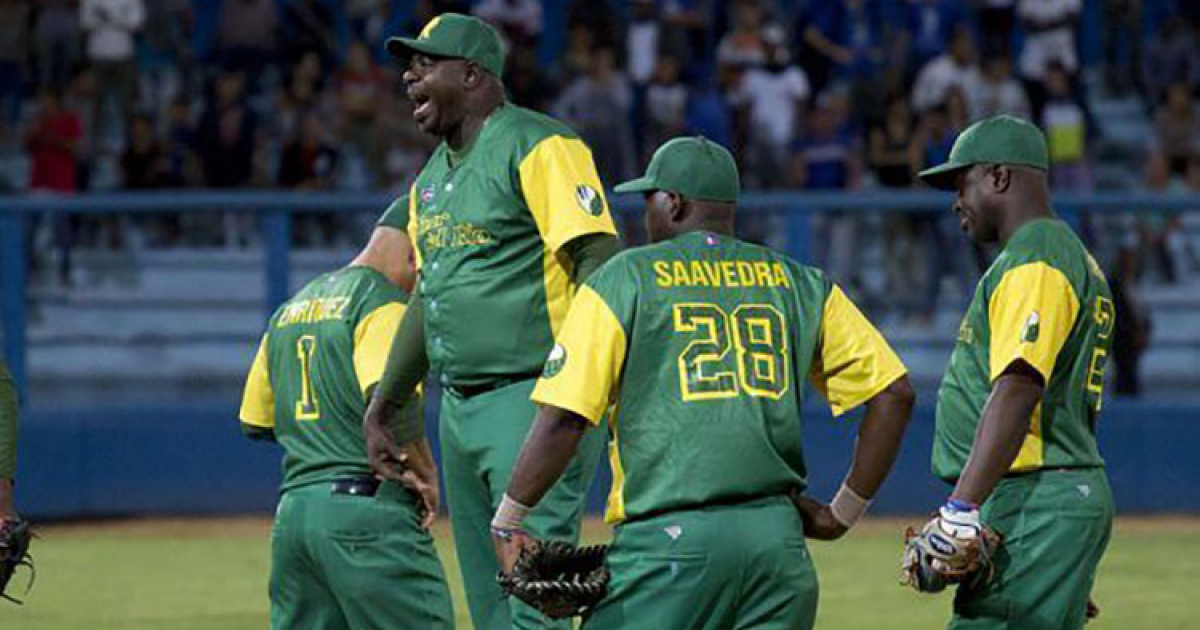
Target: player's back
[(720, 336), (320, 368)]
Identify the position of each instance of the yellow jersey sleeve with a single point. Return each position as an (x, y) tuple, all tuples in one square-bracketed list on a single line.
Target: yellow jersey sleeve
[(1030, 315), (258, 400), (563, 191), (414, 229), (854, 361), (583, 370), (373, 341)]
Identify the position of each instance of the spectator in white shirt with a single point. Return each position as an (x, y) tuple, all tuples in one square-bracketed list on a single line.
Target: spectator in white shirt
[(641, 41), (995, 91), (773, 97), (110, 26), (1049, 38), (954, 68)]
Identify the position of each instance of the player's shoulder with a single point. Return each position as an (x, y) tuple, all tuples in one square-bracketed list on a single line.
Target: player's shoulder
[(1050, 243), (525, 129), (372, 288)]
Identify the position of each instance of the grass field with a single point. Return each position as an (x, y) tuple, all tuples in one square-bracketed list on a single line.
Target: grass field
[(211, 574)]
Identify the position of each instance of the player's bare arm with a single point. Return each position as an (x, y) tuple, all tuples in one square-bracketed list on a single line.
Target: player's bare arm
[(392, 419), (879, 436), (1002, 428), (549, 448)]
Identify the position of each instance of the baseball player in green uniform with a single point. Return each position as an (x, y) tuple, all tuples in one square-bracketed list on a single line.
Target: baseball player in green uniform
[(8, 443), (347, 551), (703, 344), (1017, 409), (507, 217)]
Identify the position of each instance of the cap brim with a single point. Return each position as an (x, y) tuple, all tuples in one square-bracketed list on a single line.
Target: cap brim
[(404, 47), (641, 184), (942, 176)]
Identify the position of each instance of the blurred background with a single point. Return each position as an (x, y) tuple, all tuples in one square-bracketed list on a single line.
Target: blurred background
[(171, 169)]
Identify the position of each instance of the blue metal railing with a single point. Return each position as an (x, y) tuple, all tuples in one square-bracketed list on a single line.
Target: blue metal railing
[(277, 207)]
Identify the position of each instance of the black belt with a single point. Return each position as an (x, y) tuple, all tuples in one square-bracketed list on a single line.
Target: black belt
[(471, 391), (357, 486)]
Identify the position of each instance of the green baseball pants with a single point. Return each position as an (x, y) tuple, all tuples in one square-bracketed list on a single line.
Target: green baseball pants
[(354, 562), (1056, 525), (730, 566), (481, 437)]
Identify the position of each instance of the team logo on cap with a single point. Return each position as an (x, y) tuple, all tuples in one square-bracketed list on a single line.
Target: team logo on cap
[(589, 200), (555, 362), (427, 194)]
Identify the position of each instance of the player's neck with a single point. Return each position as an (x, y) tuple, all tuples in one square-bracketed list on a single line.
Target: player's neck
[(1017, 217), (463, 136)]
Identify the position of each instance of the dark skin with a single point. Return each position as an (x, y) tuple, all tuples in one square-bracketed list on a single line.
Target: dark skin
[(879, 435), (992, 203), (452, 99), (556, 433)]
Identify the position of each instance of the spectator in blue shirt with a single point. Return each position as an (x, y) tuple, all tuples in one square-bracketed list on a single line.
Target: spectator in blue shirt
[(847, 39), (930, 24)]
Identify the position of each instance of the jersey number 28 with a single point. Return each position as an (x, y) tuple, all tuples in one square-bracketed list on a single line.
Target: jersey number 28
[(759, 335)]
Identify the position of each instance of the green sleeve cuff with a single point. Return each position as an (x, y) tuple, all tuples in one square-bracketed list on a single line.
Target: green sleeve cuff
[(589, 252)]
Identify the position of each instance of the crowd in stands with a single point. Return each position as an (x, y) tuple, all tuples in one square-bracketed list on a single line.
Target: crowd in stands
[(830, 94)]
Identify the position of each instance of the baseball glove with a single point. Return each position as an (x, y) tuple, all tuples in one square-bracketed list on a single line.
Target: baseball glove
[(15, 537), (937, 557), (559, 579)]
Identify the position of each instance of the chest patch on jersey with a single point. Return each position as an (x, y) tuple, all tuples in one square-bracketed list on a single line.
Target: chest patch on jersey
[(555, 362), (438, 231), (1032, 328), (589, 200)]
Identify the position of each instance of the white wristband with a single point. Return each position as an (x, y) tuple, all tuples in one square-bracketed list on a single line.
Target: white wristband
[(848, 507), (510, 514)]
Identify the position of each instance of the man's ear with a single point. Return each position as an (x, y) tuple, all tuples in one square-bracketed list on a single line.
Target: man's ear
[(472, 75), (678, 208), (1001, 177)]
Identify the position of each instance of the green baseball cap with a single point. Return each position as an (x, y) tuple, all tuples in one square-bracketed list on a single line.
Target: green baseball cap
[(456, 36), (694, 167), (396, 215), (1000, 139)]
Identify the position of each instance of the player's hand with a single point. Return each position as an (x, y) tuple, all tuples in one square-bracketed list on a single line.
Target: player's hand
[(509, 544), (421, 476), (819, 523), (1093, 610), (387, 459)]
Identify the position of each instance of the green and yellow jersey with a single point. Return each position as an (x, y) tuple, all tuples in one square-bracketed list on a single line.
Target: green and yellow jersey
[(323, 352), (703, 343), (1044, 301), (488, 225)]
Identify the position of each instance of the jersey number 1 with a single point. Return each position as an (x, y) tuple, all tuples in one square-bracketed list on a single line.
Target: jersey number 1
[(759, 335), (307, 407)]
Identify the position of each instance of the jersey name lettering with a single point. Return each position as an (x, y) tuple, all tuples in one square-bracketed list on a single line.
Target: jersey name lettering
[(314, 310), (720, 274)]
